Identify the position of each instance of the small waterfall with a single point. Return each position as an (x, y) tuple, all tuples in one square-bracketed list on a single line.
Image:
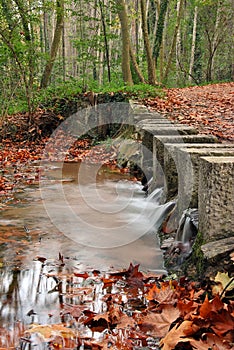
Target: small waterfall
[(156, 195), (160, 211), (187, 229)]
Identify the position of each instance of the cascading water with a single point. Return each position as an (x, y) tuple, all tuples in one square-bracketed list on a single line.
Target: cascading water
[(187, 228), (125, 213)]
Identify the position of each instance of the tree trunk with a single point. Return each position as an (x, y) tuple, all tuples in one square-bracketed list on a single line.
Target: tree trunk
[(214, 43), (178, 51), (178, 19), (55, 44), (126, 70), (136, 66), (150, 62), (193, 44), (162, 47), (160, 28), (105, 40)]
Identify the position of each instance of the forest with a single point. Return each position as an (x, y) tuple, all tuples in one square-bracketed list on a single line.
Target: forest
[(55, 48), (176, 58)]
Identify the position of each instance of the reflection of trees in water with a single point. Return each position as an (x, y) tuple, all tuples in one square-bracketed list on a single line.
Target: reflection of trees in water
[(24, 299)]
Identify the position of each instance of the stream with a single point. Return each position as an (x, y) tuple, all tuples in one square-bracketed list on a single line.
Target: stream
[(89, 216)]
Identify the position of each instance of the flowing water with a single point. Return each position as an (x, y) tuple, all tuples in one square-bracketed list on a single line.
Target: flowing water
[(94, 218)]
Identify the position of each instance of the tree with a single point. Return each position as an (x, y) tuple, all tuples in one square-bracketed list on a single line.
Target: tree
[(16, 32), (193, 46), (55, 43), (214, 37), (123, 17), (105, 39), (149, 57), (160, 28), (170, 56)]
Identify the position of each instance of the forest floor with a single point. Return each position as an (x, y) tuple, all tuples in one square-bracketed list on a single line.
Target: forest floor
[(139, 311), (208, 108)]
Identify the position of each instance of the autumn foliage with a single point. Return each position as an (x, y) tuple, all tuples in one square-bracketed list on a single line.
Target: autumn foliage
[(208, 108), (138, 311)]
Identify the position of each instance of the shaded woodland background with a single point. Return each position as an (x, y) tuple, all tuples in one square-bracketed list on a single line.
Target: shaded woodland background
[(69, 46)]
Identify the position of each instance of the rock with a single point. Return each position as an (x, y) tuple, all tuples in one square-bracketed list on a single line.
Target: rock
[(213, 250)]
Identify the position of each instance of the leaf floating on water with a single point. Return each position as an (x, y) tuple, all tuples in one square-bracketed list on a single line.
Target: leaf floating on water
[(41, 259), (84, 275), (57, 335), (31, 312), (74, 310)]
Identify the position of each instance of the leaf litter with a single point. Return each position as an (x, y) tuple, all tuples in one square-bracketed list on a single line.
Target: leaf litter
[(207, 108), (129, 310)]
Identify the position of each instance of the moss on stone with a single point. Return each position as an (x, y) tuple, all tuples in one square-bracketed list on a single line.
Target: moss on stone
[(195, 264)]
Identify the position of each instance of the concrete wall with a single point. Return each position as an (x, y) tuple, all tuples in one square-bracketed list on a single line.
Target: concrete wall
[(185, 163), (216, 197), (199, 170)]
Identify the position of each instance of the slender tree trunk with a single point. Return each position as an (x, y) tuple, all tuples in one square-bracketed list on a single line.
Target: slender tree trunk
[(149, 57), (55, 44), (137, 30), (64, 53), (162, 47), (126, 70), (214, 43), (178, 50), (178, 19), (105, 40), (193, 47), (45, 30), (160, 29), (136, 66)]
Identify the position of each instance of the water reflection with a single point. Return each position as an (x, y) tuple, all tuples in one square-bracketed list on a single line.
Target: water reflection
[(27, 294)]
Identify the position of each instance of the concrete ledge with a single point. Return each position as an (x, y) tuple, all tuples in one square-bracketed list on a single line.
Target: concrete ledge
[(173, 164), (152, 123), (188, 173), (216, 197), (147, 116), (160, 143), (148, 132)]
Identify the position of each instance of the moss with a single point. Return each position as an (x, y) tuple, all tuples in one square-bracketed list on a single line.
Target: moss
[(195, 264)]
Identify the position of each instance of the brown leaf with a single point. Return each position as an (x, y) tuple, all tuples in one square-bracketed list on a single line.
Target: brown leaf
[(163, 295), (222, 322), (158, 324), (74, 310), (178, 334), (210, 341), (213, 305)]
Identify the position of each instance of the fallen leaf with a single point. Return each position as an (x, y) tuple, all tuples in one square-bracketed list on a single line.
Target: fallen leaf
[(178, 333), (158, 324), (223, 282)]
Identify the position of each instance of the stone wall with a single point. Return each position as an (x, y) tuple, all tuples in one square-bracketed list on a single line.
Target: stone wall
[(216, 197), (200, 171)]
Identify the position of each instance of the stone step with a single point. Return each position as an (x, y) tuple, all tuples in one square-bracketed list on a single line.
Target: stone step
[(153, 123), (188, 166), (197, 167), (216, 197), (159, 143), (170, 161), (148, 132), (147, 116)]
